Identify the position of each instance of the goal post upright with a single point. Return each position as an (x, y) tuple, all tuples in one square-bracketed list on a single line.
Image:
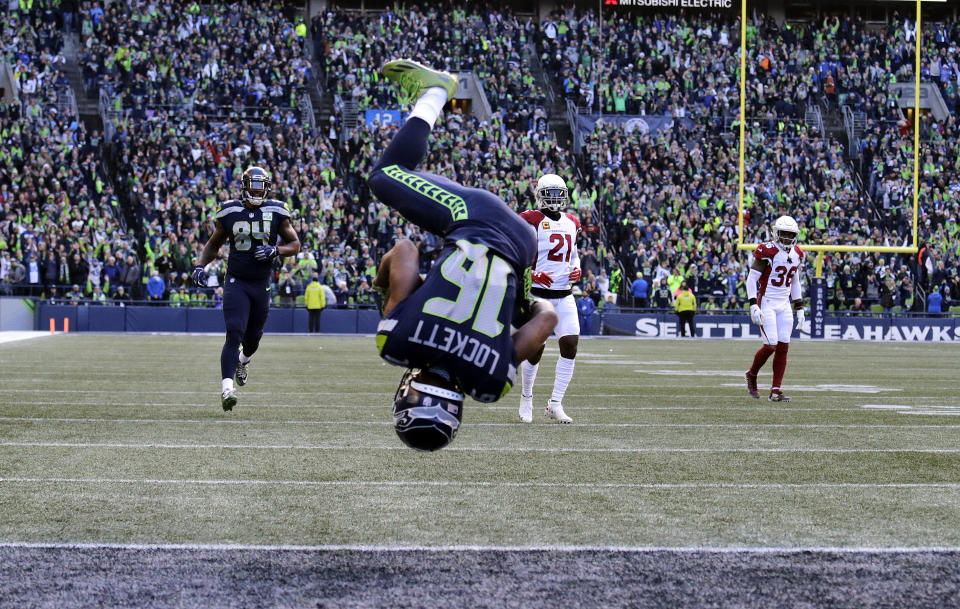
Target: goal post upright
[(822, 248), (743, 116)]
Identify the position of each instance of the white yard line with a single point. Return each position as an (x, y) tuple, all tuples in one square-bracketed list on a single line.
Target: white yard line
[(477, 424), (575, 408), (233, 547), (138, 446), (480, 484)]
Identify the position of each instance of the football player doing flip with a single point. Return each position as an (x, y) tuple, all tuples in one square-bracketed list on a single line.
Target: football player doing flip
[(772, 285), (251, 225), (453, 328), (555, 270)]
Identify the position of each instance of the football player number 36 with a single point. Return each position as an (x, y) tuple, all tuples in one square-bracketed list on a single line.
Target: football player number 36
[(467, 268), (784, 276), (243, 231), (556, 254)]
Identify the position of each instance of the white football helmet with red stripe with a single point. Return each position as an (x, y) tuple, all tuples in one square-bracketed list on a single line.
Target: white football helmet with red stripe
[(785, 232), (551, 193)]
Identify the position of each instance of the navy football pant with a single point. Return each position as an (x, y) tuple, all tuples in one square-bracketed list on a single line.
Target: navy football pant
[(245, 309), (429, 201)]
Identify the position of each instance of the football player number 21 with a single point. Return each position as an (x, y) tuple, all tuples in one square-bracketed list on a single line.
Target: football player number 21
[(556, 254), (784, 276), (467, 268)]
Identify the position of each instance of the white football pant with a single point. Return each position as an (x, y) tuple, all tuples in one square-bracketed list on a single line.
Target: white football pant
[(777, 322)]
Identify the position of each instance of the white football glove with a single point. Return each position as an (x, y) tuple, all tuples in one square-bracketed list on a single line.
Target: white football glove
[(756, 315), (801, 317)]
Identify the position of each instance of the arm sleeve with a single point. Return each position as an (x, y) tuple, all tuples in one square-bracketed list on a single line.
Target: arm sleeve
[(752, 278), (796, 287)]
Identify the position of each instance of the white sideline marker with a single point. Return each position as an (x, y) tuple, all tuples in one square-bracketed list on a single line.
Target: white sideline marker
[(10, 336)]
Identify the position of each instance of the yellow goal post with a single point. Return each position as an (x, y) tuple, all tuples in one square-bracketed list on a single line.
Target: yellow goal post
[(821, 248)]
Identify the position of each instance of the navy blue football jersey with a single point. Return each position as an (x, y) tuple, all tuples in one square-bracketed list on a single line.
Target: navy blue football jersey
[(248, 228), (459, 319)]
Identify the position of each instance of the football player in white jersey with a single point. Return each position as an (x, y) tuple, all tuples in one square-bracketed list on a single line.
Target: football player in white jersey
[(555, 270), (774, 290)]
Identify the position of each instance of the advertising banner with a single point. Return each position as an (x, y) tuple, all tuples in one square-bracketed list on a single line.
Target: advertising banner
[(383, 117)]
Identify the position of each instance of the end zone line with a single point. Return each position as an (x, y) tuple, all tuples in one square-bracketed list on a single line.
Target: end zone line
[(234, 547)]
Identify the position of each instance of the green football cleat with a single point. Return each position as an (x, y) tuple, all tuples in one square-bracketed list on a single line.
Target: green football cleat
[(241, 374), (228, 399), (415, 78)]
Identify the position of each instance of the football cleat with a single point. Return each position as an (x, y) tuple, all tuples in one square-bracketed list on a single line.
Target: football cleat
[(415, 78), (777, 396), (526, 408), (228, 399), (752, 385), (242, 374), (555, 411)]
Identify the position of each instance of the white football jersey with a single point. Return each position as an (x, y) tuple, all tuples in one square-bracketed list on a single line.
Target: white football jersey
[(779, 273), (557, 252)]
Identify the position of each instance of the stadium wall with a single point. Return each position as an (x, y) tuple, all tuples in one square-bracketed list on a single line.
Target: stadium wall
[(892, 329), (95, 318), (16, 314)]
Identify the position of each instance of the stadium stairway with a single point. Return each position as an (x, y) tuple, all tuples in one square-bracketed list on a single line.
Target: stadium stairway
[(321, 98), (556, 104), (87, 107)]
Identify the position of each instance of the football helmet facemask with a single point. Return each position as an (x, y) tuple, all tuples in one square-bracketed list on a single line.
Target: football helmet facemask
[(426, 410), (785, 232), (551, 193), (255, 185)]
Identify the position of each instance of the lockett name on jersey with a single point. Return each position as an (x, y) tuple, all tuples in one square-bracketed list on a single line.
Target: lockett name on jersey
[(450, 340)]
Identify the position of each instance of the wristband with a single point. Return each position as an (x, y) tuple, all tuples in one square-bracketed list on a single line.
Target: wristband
[(752, 301)]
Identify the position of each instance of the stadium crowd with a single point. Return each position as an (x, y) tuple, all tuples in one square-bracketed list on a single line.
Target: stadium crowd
[(243, 60), (682, 210), (61, 221), (659, 206), (491, 43)]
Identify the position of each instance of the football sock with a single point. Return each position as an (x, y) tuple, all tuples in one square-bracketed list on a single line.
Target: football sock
[(228, 356), (430, 105), (226, 384), (528, 374), (562, 379), (761, 357), (779, 364), (244, 359)]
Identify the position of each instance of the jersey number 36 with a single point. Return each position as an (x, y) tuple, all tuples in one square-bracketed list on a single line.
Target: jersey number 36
[(784, 276)]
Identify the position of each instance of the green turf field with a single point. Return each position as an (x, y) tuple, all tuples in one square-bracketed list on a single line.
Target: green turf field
[(121, 439)]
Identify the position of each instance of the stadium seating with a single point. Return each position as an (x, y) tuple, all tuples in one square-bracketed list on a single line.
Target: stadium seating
[(189, 109)]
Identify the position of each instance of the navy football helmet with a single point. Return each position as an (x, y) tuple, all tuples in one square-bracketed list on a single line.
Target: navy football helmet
[(255, 185), (426, 410)]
